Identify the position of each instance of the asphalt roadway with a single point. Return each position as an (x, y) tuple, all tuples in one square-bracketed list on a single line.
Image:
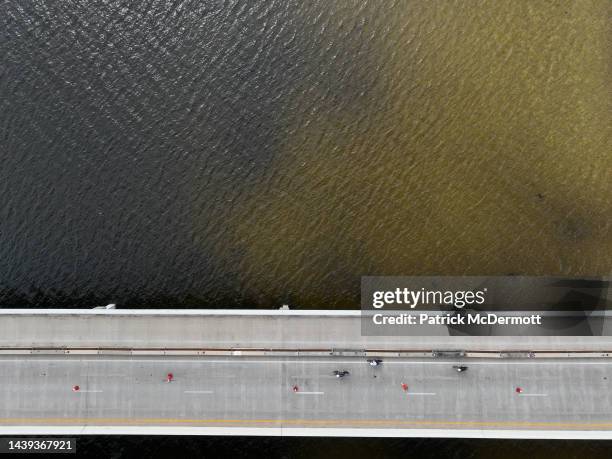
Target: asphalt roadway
[(565, 394)]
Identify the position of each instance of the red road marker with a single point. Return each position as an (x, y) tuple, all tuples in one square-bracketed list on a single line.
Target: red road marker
[(405, 387), (295, 388), (75, 388), (519, 390), (170, 377)]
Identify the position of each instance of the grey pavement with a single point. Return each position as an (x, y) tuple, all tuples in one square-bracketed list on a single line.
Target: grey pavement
[(572, 394), (247, 329)]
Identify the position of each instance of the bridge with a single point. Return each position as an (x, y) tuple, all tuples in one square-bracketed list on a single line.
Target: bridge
[(237, 372)]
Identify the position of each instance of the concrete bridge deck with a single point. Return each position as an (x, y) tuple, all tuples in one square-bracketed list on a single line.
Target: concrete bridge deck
[(245, 329), (234, 392), (255, 396)]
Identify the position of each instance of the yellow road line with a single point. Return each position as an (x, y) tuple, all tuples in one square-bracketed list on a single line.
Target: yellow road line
[(280, 422)]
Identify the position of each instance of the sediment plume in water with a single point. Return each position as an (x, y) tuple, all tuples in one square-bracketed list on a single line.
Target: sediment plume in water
[(482, 147)]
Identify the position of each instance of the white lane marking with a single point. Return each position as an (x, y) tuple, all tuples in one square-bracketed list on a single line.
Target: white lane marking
[(309, 393), (199, 392), (533, 395), (421, 393), (242, 361), (104, 375)]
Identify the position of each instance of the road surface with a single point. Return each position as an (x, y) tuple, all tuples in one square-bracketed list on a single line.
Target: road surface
[(241, 393), (234, 373)]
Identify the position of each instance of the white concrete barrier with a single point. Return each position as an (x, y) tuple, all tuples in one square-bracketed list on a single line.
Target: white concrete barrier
[(271, 331)]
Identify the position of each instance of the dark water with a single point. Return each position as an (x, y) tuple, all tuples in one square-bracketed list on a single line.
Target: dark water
[(226, 153), (247, 154), (357, 448)]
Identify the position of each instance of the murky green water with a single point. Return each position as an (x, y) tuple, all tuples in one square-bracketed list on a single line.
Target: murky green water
[(473, 138), (249, 154)]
